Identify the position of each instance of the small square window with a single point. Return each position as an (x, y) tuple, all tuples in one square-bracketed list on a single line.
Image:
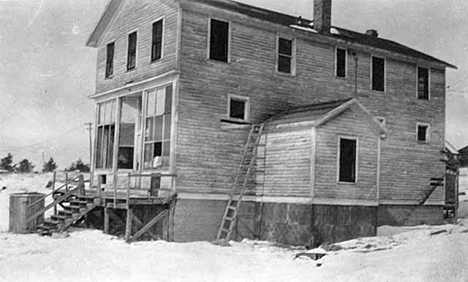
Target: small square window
[(423, 132), (238, 108)]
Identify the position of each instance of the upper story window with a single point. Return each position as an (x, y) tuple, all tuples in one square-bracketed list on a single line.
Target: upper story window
[(132, 50), (347, 160), (238, 107), (158, 114), (378, 74), (285, 63), (340, 62), (422, 132), (157, 41), (110, 59), (219, 40), (423, 83)]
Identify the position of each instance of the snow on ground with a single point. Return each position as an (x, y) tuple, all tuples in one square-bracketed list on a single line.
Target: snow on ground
[(421, 253)]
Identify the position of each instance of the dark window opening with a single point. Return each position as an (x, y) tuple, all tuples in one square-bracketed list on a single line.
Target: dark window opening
[(378, 74), (422, 133), (285, 55), (423, 83), (219, 40), (340, 62), (237, 108), (347, 160), (110, 60), (156, 47), (131, 54)]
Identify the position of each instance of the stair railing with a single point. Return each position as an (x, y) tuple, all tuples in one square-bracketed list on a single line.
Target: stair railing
[(79, 189)]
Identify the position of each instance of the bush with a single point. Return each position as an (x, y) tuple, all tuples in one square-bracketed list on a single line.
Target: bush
[(50, 165), (6, 163), (25, 166), (79, 165)]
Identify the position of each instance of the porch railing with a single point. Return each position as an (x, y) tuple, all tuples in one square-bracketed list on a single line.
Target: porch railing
[(78, 187)]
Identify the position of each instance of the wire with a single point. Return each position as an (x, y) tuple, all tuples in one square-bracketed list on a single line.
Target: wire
[(30, 146)]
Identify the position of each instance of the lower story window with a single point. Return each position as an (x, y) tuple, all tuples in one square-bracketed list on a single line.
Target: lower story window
[(105, 135), (238, 108), (422, 132), (158, 114), (347, 160)]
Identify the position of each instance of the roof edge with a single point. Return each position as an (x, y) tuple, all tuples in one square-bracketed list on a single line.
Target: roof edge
[(104, 21)]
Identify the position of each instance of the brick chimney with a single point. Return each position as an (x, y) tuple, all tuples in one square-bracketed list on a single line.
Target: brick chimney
[(322, 16)]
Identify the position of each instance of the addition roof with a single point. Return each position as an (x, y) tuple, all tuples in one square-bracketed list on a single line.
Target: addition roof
[(319, 113), (276, 18)]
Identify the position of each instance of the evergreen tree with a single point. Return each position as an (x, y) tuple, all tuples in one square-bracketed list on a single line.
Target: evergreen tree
[(25, 166), (79, 165), (49, 165), (6, 163)]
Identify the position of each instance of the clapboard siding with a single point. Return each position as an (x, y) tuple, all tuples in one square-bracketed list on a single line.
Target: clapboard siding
[(251, 72), (138, 15), (287, 166), (351, 123)]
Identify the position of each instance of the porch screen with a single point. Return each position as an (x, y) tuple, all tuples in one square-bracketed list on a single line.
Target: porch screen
[(158, 127), (105, 134)]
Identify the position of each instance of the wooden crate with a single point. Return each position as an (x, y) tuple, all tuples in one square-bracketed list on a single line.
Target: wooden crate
[(19, 211)]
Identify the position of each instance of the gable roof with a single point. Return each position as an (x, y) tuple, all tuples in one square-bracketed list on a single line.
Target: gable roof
[(451, 148), (318, 114), (277, 18)]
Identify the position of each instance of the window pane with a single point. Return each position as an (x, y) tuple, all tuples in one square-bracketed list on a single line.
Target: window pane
[(109, 132), (284, 64), (110, 59), (156, 49), (167, 126), (99, 150), (151, 104), (131, 54), (158, 126), (149, 135), (423, 83), (166, 153), (219, 40), (148, 161), (101, 109), (160, 103), (340, 62), (378, 74), (347, 160), (237, 109), (168, 106), (125, 158), (285, 46)]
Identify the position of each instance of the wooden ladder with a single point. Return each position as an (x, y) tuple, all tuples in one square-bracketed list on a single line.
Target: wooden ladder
[(243, 175)]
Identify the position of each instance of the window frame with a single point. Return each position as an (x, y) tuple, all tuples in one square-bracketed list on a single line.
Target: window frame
[(384, 74), (292, 57), (246, 100), (106, 73), (345, 62), (145, 118), (356, 161), (163, 22), (428, 132), (428, 83), (99, 124), (128, 53), (228, 55)]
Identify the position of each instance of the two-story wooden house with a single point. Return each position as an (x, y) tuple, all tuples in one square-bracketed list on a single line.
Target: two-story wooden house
[(352, 124)]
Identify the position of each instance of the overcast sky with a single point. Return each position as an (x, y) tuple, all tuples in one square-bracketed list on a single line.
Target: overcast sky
[(46, 72)]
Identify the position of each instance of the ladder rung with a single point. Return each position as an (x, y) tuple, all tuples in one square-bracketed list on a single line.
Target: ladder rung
[(232, 207), (229, 218)]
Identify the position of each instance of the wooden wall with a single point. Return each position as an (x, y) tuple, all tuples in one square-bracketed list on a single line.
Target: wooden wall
[(350, 123), (138, 15), (287, 164), (207, 154)]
